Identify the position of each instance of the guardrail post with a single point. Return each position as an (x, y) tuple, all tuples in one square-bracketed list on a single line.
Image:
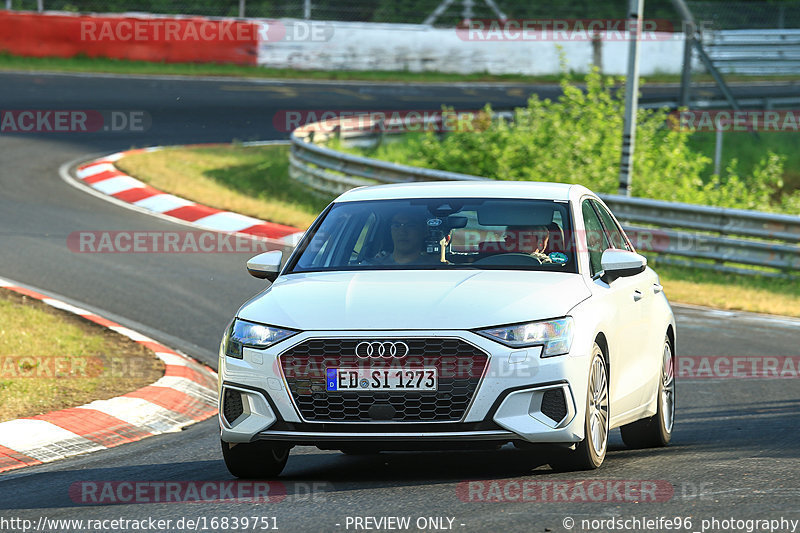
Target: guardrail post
[(631, 97), (597, 52), (722, 233), (467, 13), (381, 131), (718, 151), (686, 71)]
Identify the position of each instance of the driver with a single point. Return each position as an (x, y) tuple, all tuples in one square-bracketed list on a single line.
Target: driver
[(409, 230)]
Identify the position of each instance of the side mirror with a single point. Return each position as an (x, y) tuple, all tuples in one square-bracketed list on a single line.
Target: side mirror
[(265, 266), (621, 263)]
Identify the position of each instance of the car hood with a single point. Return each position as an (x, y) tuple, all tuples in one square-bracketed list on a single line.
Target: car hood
[(429, 299)]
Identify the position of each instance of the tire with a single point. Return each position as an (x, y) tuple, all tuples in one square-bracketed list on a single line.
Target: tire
[(656, 431), (591, 451), (255, 460)]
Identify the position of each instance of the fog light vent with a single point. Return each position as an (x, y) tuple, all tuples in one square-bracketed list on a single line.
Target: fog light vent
[(554, 405), (232, 407)]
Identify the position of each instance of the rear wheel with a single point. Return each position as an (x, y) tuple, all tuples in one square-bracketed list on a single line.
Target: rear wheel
[(591, 451), (255, 460), (656, 431)]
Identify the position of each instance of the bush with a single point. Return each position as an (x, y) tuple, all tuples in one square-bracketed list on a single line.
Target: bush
[(577, 139)]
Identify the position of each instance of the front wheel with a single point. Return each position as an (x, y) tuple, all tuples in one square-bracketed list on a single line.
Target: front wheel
[(591, 451), (656, 431), (255, 460)]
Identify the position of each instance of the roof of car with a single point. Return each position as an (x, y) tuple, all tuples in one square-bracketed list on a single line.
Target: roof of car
[(463, 189)]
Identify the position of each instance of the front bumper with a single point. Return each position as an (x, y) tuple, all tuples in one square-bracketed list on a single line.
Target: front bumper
[(310, 437), (516, 390)]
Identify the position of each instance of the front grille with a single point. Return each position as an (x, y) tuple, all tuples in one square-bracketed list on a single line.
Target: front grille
[(232, 407), (459, 364), (554, 405)]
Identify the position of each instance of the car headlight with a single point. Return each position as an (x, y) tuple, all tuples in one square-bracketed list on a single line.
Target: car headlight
[(242, 333), (555, 336)]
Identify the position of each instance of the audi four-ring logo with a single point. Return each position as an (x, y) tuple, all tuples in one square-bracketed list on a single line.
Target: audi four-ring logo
[(381, 349)]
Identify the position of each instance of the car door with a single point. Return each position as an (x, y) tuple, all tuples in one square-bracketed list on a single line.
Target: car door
[(624, 318), (648, 357)]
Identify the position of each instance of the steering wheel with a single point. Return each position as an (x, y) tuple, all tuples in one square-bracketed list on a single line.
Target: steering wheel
[(509, 259)]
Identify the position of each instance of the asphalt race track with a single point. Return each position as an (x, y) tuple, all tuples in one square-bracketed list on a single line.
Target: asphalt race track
[(736, 444)]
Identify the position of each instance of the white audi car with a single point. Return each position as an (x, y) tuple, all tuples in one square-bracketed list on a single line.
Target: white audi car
[(450, 315)]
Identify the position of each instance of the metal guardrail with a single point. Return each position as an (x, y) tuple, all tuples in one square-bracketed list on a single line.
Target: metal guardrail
[(673, 230), (754, 51), (329, 172), (723, 235)]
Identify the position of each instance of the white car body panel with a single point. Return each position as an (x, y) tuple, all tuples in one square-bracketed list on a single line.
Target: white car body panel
[(466, 189), (395, 304), (414, 299)]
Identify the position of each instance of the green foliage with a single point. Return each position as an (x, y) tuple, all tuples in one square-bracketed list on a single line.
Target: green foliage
[(577, 139), (749, 152)]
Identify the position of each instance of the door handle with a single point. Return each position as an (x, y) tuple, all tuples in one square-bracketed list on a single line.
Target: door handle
[(637, 295), (657, 287)]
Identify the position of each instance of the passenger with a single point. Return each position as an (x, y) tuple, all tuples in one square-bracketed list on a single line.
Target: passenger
[(556, 241), (531, 240)]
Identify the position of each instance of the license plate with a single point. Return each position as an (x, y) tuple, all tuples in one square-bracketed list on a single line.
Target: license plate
[(381, 379)]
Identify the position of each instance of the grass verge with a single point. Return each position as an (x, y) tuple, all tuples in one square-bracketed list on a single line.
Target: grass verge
[(733, 292), (119, 66), (255, 181), (51, 359), (252, 180)]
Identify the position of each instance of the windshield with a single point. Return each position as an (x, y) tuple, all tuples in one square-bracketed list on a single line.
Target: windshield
[(440, 233)]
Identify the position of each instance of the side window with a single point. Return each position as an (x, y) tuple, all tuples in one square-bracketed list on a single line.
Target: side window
[(320, 250), (596, 240), (613, 231)]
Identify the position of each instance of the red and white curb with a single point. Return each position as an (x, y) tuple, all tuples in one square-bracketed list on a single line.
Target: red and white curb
[(187, 393), (102, 175)]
